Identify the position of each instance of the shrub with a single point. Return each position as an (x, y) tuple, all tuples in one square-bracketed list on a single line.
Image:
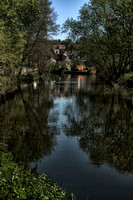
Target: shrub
[(17, 183)]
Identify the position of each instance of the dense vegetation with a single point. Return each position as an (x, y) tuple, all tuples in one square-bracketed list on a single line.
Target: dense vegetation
[(104, 33), (25, 29), (17, 183)]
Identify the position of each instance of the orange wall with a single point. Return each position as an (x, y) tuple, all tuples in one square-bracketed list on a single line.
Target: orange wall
[(80, 67)]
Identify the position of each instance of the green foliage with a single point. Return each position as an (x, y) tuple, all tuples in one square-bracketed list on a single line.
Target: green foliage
[(17, 183), (10, 51), (25, 25), (37, 47), (104, 32), (13, 30), (7, 84)]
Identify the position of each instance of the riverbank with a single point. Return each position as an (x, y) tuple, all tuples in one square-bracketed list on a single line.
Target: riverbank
[(77, 72), (22, 184), (8, 84)]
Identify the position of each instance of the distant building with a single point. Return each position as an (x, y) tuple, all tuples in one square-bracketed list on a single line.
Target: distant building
[(59, 49), (61, 53)]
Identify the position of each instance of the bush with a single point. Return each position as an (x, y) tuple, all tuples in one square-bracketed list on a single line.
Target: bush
[(17, 183)]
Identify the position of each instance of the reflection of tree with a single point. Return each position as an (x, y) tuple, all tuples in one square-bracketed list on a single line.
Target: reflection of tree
[(103, 125), (24, 124), (12, 120)]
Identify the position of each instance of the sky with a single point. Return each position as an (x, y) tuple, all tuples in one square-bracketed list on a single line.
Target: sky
[(66, 9)]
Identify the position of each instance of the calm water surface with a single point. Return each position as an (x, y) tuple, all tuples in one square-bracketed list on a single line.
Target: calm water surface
[(76, 132)]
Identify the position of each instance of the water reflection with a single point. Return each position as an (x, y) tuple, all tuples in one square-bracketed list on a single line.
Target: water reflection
[(104, 127), (24, 124), (78, 132), (103, 123)]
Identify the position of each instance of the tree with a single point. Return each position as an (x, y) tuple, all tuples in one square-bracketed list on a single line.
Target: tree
[(38, 44), (105, 33), (37, 36), (24, 24), (12, 42)]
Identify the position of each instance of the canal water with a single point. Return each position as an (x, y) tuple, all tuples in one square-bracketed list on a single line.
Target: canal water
[(76, 131)]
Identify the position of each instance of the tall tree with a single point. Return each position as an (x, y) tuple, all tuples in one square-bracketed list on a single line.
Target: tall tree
[(12, 42), (24, 24), (15, 16), (38, 45), (105, 33)]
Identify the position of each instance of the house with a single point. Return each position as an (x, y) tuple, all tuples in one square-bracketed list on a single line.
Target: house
[(59, 49), (61, 53)]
